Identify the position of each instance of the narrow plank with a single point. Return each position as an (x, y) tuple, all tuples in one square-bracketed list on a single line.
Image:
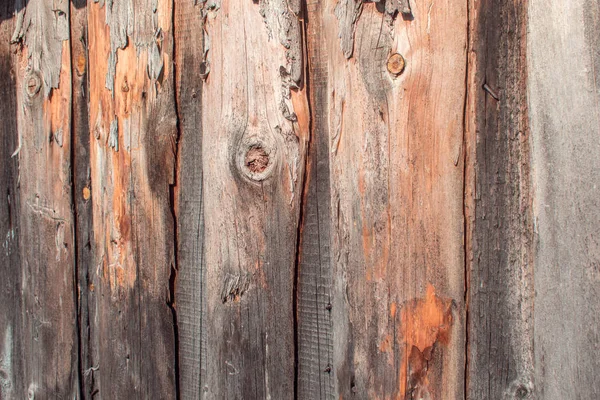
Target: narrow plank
[(564, 64), (46, 235), (82, 194), (132, 145), (498, 205), (397, 164), (190, 288), (255, 130), (12, 382), (313, 291)]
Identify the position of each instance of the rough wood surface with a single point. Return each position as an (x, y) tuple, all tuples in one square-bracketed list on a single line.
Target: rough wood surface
[(132, 151), (564, 65), (190, 288), (288, 199), (82, 195), (314, 334), (254, 135), (498, 205), (46, 223), (396, 162), (12, 382)]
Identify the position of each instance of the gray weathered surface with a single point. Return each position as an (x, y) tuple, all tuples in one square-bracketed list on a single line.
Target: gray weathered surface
[(254, 134), (46, 224), (498, 205), (564, 67), (190, 287), (12, 382), (314, 352)]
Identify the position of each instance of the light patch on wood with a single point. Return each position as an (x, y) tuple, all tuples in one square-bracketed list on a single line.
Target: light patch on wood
[(6, 361), (43, 28)]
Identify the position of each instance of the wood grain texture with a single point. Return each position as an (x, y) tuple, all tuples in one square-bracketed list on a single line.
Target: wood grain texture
[(46, 223), (12, 381), (563, 63), (498, 205), (254, 135), (132, 146), (315, 378), (190, 288), (82, 194), (396, 162)]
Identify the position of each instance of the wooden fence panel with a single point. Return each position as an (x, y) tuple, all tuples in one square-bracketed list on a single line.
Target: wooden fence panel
[(287, 199)]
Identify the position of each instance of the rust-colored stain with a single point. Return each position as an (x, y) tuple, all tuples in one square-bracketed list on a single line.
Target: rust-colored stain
[(81, 61), (425, 323)]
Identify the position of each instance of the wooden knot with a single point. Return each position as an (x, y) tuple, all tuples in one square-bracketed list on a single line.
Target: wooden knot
[(256, 158), (396, 64), (33, 83)]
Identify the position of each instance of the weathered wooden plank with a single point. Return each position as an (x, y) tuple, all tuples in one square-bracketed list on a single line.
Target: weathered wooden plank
[(12, 383), (396, 161), (132, 145), (498, 205), (564, 60), (82, 194), (190, 288), (313, 289), (46, 226), (254, 134)]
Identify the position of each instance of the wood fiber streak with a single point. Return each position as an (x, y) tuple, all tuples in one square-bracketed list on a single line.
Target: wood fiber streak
[(254, 135), (314, 319), (12, 382), (132, 147), (190, 288), (396, 193), (498, 205)]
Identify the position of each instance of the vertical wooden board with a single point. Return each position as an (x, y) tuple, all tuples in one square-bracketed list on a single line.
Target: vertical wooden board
[(563, 61), (255, 129), (313, 290), (46, 234), (498, 205), (82, 195), (132, 144), (396, 161), (11, 365), (190, 285)]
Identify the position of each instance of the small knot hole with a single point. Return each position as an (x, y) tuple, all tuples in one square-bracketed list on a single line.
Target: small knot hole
[(256, 159)]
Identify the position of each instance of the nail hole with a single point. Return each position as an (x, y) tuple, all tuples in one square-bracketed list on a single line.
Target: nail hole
[(33, 84), (396, 64), (256, 159)]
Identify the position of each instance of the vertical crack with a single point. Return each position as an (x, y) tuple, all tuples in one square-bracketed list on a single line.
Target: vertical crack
[(467, 201), (172, 205), (303, 20), (73, 183)]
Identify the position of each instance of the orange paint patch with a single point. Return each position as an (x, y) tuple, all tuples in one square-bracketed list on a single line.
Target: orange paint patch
[(424, 324)]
